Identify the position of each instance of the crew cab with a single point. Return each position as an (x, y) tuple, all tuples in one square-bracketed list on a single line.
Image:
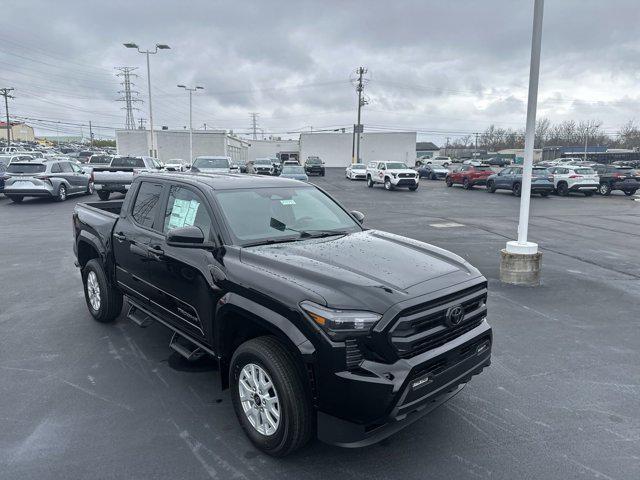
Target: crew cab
[(574, 178), (392, 175), (318, 325), (614, 177), (511, 179), (118, 175), (469, 176)]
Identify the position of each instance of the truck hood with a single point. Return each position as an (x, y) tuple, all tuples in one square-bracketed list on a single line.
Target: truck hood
[(400, 170), (370, 269)]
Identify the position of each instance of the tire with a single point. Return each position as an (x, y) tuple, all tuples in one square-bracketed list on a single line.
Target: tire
[(414, 188), (103, 195), (628, 193), (109, 306), (563, 189), (448, 181), (466, 184), (544, 194), (295, 423), (16, 198), (445, 165), (369, 181), (517, 189), (588, 193), (433, 177), (387, 184), (491, 187), (605, 189), (90, 189), (62, 193)]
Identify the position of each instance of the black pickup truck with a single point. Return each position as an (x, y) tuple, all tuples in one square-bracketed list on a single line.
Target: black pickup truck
[(320, 326)]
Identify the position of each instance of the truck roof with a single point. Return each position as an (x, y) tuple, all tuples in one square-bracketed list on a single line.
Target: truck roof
[(225, 181)]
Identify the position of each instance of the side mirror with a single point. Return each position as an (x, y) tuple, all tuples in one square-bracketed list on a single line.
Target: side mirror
[(190, 236), (191, 168), (359, 216)]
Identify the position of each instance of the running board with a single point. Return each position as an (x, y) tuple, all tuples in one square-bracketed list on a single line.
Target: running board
[(138, 317), (185, 348)]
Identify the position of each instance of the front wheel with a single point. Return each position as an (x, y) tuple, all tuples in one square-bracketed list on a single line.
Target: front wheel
[(269, 397), (103, 300), (604, 189), (62, 193), (369, 182), (387, 184), (491, 187), (563, 189), (89, 189), (466, 184), (517, 189), (448, 181), (103, 195), (413, 188)]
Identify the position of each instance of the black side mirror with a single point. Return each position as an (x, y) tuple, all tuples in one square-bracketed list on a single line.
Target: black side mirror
[(193, 169), (359, 216), (190, 236)]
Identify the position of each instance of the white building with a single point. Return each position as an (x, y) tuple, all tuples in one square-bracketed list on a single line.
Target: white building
[(269, 148), (172, 144), (335, 148)]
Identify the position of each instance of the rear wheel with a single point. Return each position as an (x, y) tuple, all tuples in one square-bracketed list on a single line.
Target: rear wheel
[(448, 181), (466, 184), (491, 187), (413, 188), (387, 184), (62, 193), (269, 397), (369, 181), (605, 189), (103, 195), (628, 193), (516, 189), (103, 300), (563, 189)]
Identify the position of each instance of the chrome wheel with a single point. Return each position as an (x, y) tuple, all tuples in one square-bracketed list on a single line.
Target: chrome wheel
[(62, 193), (93, 290), (259, 399)]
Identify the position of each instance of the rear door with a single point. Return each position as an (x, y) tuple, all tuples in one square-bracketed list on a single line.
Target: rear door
[(181, 276), (80, 179), (68, 176), (132, 236)]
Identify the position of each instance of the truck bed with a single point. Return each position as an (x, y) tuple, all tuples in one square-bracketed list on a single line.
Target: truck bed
[(112, 207)]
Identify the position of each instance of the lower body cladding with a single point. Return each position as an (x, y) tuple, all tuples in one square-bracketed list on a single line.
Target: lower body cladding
[(381, 399)]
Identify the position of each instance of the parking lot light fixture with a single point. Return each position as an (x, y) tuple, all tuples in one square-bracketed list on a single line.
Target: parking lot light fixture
[(191, 90), (520, 260)]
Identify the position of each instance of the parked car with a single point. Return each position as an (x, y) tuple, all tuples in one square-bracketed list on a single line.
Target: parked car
[(85, 155), (392, 175), (296, 172), (571, 178), (212, 164), (118, 175), (56, 179), (314, 166), (617, 178), (439, 160), (497, 161), (635, 164), (432, 172), (174, 165), (469, 176), (510, 178), (319, 326), (15, 157), (3, 170), (263, 166), (356, 171)]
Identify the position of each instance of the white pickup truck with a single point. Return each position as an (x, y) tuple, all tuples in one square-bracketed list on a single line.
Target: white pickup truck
[(392, 175), (118, 175)]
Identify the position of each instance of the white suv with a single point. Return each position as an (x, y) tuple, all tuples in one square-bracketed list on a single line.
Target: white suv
[(391, 175), (440, 161), (571, 178)]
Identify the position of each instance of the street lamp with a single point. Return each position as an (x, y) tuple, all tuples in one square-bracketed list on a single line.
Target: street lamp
[(159, 46), (190, 90)]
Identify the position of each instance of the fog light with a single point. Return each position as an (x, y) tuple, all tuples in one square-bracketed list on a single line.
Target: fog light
[(483, 347)]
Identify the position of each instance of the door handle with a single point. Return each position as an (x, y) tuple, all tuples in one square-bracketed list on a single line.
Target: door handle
[(120, 236), (138, 250), (156, 251)]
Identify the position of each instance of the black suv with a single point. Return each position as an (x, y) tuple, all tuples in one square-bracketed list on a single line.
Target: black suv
[(319, 326), (613, 177), (314, 166)]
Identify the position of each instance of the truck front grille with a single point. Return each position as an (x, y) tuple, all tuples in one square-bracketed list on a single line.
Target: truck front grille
[(426, 326)]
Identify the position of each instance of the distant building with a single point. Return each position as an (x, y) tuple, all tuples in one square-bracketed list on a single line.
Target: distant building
[(271, 148), (426, 149), (595, 153), (20, 132)]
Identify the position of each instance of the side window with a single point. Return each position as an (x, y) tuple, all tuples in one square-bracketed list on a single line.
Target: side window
[(65, 167), (381, 166), (464, 168), (55, 168), (146, 204), (75, 168), (185, 209)]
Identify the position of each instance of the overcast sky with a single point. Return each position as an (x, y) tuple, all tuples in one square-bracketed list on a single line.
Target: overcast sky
[(442, 68)]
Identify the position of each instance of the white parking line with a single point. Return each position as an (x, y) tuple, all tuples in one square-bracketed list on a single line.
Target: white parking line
[(446, 225)]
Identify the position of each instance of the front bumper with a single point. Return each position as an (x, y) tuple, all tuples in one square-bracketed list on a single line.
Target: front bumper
[(404, 391), (263, 171), (404, 182)]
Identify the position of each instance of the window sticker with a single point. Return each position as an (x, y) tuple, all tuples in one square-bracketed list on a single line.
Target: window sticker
[(289, 201), (183, 213)]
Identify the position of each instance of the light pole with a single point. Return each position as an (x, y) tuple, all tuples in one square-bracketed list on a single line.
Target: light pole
[(190, 90), (159, 46)]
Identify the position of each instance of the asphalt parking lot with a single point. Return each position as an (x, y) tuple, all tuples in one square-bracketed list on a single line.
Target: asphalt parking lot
[(80, 399)]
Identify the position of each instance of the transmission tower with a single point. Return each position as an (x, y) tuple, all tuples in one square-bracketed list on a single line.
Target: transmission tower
[(254, 124), (129, 96)]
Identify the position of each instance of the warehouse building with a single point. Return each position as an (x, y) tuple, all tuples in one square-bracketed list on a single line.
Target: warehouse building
[(335, 149), (174, 144), (271, 148), (20, 132)]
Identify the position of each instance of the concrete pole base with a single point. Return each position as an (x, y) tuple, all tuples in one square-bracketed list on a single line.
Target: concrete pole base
[(520, 269)]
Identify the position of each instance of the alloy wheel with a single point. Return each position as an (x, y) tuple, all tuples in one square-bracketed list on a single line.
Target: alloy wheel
[(93, 290), (259, 399)]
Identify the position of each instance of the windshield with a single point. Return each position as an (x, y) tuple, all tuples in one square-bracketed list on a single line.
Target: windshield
[(249, 213), (291, 169), (396, 166), (26, 168), (211, 163), (357, 166), (314, 161), (262, 162)]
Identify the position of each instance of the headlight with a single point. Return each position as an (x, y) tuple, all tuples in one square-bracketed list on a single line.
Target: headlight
[(339, 324), (394, 175)]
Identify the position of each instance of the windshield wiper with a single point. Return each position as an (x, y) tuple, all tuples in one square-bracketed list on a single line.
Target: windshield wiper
[(271, 241), (321, 233)]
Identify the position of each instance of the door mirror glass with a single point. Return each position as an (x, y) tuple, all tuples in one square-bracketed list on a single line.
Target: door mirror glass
[(185, 237), (359, 216)]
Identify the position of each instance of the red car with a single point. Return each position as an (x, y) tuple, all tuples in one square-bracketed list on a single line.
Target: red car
[(469, 175)]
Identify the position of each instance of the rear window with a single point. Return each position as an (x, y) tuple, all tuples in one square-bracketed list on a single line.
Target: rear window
[(541, 171), (211, 163), (585, 171), (483, 168), (624, 170), (26, 168), (129, 162), (100, 159)]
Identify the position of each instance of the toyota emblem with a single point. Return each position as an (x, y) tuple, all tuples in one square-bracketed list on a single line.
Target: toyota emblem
[(455, 315)]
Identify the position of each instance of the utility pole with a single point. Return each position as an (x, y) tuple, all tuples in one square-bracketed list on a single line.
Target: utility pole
[(254, 124), (129, 96), (357, 130), (476, 134), (5, 93), (446, 147), (90, 134)]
